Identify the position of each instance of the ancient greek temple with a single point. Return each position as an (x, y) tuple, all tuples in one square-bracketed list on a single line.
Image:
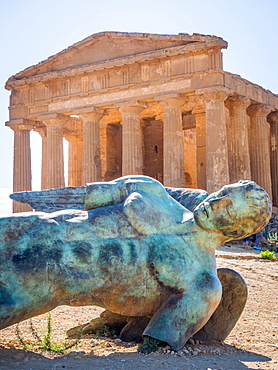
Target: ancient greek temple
[(135, 103)]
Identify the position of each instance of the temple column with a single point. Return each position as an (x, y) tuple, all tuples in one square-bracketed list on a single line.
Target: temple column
[(173, 151), (111, 150), (259, 144), (200, 118), (216, 138), (132, 144), (22, 175), (273, 119), (54, 150), (91, 159), (237, 134), (42, 131), (75, 159)]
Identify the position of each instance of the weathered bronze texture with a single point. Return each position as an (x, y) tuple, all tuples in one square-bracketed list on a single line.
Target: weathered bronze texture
[(136, 251), (218, 327), (224, 318)]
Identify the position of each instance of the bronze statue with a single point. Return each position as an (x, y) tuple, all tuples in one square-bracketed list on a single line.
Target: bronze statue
[(136, 251)]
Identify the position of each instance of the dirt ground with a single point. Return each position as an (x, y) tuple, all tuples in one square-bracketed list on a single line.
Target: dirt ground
[(251, 345)]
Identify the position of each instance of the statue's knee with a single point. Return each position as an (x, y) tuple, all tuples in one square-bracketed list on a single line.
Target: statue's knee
[(210, 285), (228, 311)]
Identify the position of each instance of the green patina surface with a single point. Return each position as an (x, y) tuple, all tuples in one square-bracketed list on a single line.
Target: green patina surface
[(135, 251)]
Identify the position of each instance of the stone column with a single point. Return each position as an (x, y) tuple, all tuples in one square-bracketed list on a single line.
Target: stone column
[(22, 177), (259, 143), (216, 138), (237, 134), (54, 150), (75, 159), (273, 119), (132, 153), (173, 156), (42, 131), (200, 117), (91, 160)]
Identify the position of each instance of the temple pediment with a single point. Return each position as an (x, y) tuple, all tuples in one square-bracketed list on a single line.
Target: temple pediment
[(106, 46)]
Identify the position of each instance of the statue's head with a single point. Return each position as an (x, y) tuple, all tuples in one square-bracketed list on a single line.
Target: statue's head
[(237, 210)]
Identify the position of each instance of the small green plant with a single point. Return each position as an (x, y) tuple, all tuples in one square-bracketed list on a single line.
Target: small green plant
[(150, 345), (267, 255), (46, 342)]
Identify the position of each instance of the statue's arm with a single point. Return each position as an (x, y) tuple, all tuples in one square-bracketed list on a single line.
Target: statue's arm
[(189, 198), (150, 214), (101, 194), (182, 315)]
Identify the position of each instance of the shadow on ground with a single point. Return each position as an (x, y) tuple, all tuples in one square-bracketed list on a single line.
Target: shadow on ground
[(17, 359)]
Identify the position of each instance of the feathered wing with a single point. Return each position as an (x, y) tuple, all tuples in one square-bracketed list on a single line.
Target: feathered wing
[(53, 200)]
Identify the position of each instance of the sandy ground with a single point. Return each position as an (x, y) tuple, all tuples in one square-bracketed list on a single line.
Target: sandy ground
[(251, 345)]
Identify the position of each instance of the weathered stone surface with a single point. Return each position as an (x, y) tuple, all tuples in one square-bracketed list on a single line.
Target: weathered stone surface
[(226, 315)]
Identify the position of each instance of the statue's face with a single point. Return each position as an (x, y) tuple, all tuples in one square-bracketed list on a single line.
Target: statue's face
[(223, 209)]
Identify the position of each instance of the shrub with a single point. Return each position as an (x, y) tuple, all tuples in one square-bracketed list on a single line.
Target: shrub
[(150, 345), (267, 255)]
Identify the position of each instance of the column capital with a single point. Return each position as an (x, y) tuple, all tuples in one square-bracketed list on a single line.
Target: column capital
[(214, 93), (54, 119), (130, 107), (72, 136), (258, 109), (194, 104), (20, 124), (170, 100), (273, 117), (41, 129), (238, 101), (89, 112)]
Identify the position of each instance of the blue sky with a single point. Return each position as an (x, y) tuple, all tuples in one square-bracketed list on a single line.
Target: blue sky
[(33, 30)]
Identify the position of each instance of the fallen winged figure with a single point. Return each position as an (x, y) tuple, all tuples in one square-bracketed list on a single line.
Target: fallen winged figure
[(134, 251)]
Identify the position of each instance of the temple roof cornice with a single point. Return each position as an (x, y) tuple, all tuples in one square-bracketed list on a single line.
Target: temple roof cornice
[(179, 44)]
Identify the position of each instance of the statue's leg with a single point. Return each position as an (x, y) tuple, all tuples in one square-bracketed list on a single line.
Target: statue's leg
[(113, 321), (221, 323), (218, 327), (129, 328), (224, 318), (183, 314), (133, 330)]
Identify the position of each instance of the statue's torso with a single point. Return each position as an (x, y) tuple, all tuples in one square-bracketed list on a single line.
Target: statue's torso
[(98, 259)]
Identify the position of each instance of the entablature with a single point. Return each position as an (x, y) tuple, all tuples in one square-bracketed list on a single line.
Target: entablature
[(186, 84)]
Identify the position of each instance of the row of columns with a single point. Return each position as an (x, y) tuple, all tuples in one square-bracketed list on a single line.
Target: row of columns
[(246, 154)]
